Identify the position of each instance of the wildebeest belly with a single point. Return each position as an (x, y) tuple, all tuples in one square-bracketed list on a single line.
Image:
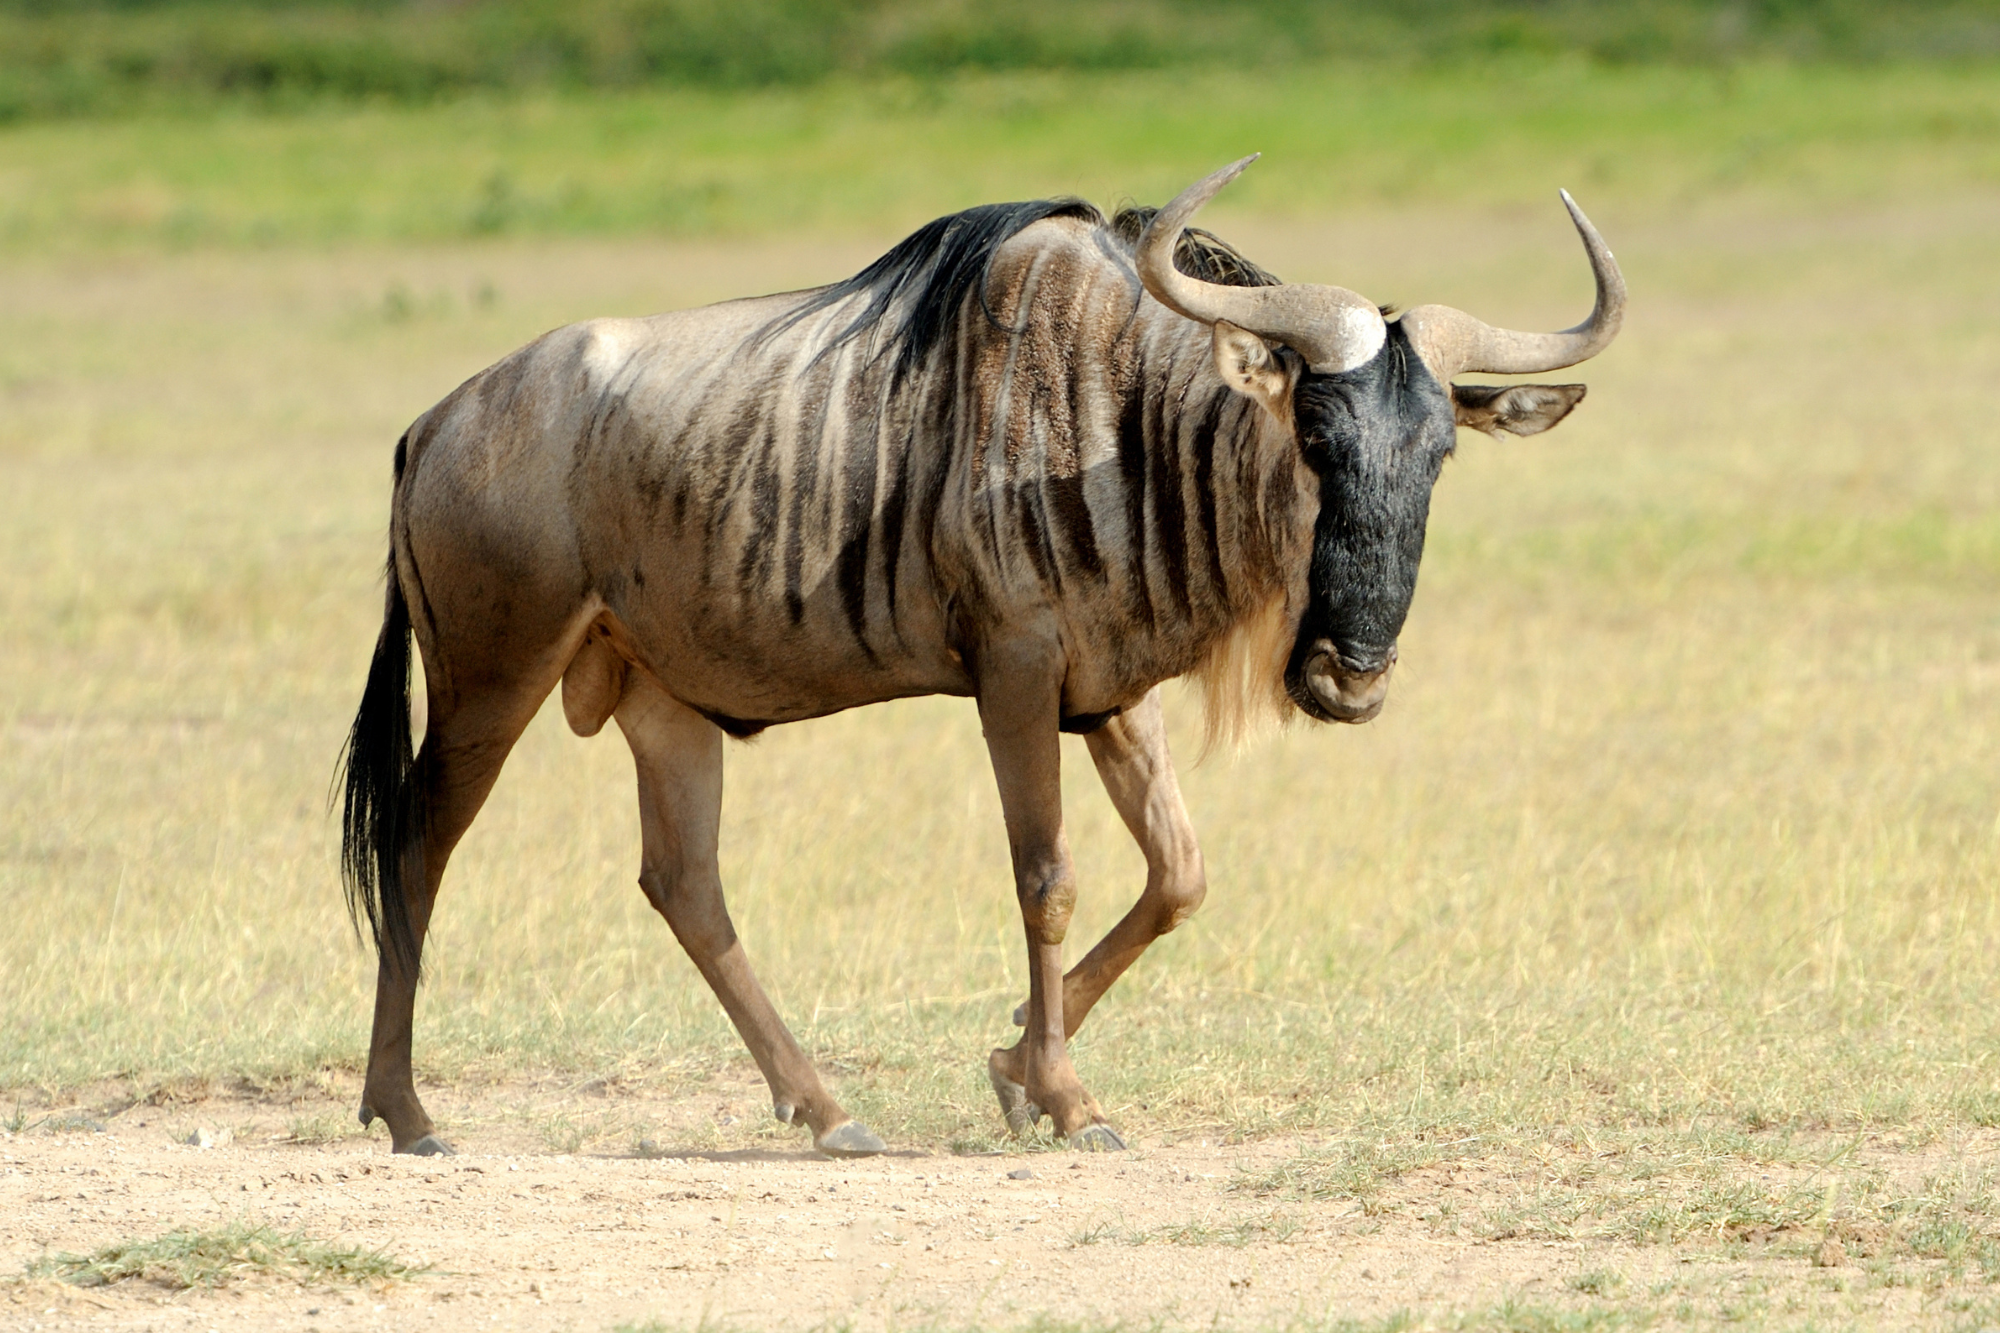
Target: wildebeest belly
[(745, 660)]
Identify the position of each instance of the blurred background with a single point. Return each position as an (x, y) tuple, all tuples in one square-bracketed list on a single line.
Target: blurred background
[(70, 57), (183, 121), (1684, 811)]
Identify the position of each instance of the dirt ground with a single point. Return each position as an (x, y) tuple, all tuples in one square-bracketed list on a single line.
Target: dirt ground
[(518, 1236)]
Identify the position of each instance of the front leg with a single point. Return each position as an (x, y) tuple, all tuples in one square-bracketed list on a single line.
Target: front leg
[(1131, 755), (1020, 708)]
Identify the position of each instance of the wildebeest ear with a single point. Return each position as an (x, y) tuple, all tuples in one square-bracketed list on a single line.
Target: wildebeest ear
[(1247, 365), (1518, 409)]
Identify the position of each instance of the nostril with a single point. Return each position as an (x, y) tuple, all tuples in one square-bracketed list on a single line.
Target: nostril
[(1365, 661)]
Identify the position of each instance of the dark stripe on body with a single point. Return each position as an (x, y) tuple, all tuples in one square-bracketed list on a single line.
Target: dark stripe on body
[(1132, 478), (1204, 492), (736, 459), (1071, 512), (1169, 505), (856, 527), (760, 542), (893, 505), (795, 553)]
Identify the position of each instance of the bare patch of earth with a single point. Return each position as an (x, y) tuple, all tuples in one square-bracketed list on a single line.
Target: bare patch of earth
[(677, 1232)]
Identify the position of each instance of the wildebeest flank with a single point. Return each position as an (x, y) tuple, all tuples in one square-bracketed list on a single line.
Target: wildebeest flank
[(1023, 457)]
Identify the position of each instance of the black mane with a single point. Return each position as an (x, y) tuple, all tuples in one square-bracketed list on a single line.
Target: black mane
[(930, 271)]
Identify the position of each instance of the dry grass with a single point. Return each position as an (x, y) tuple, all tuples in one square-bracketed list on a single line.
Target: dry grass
[(1730, 1192), (222, 1255), (1682, 819)]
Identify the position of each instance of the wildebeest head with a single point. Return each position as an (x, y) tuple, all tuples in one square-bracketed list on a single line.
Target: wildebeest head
[(1372, 406)]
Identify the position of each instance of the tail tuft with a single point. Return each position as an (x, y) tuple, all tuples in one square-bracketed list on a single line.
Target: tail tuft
[(381, 826)]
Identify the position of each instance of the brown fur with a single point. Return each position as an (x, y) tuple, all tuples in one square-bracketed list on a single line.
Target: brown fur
[(1051, 497)]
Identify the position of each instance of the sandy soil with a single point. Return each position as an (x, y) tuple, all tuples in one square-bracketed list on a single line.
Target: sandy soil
[(520, 1237)]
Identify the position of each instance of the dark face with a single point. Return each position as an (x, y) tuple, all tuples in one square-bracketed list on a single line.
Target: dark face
[(1377, 436)]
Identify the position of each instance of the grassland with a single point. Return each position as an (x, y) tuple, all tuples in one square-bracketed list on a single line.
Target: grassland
[(98, 57), (871, 158), (1681, 828)]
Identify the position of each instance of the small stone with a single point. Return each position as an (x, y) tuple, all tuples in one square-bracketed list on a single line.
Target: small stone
[(1831, 1254), (1021, 1173)]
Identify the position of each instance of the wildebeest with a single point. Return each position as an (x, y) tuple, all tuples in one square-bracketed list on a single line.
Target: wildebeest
[(1030, 455)]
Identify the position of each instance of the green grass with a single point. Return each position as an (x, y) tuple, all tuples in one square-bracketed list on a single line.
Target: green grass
[(880, 155), (222, 1255), (115, 56)]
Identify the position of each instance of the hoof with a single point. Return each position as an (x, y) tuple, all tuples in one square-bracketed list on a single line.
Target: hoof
[(852, 1139), (1097, 1138), (430, 1145), (1022, 1115)]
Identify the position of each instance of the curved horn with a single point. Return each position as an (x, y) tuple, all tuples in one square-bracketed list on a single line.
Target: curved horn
[(1332, 328), (1452, 342)]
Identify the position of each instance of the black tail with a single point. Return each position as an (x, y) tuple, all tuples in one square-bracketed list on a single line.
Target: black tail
[(381, 826)]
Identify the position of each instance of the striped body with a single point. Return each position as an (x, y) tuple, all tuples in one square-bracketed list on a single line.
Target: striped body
[(1027, 455), (775, 531)]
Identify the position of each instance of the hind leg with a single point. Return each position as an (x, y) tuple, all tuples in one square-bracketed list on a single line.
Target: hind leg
[(679, 757), (465, 743)]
